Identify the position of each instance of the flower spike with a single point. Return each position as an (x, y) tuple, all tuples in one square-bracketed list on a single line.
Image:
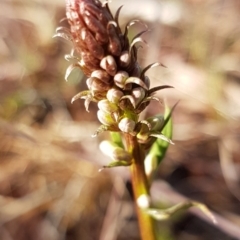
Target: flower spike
[(119, 87), (109, 60)]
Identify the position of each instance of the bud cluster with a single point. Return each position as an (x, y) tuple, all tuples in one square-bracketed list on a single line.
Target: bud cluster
[(105, 55)]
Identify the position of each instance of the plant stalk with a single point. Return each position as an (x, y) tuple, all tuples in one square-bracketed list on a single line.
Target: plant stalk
[(140, 186)]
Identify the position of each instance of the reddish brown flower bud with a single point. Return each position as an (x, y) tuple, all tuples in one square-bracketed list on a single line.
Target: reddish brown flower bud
[(92, 45), (114, 95), (102, 75), (108, 63), (114, 40), (124, 59), (96, 85), (88, 21), (109, 60)]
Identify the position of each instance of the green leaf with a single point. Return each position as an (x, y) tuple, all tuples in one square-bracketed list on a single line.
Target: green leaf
[(117, 139), (160, 146), (116, 164), (163, 214)]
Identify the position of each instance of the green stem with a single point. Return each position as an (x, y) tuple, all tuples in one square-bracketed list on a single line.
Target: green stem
[(140, 186)]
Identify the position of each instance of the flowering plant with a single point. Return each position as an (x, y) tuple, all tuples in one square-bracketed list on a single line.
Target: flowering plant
[(121, 89)]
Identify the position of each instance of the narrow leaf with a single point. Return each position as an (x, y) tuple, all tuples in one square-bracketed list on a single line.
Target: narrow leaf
[(163, 214), (117, 139), (160, 146), (162, 137), (116, 164)]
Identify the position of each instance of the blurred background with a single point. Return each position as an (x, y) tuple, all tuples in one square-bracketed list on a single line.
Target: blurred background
[(50, 187)]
